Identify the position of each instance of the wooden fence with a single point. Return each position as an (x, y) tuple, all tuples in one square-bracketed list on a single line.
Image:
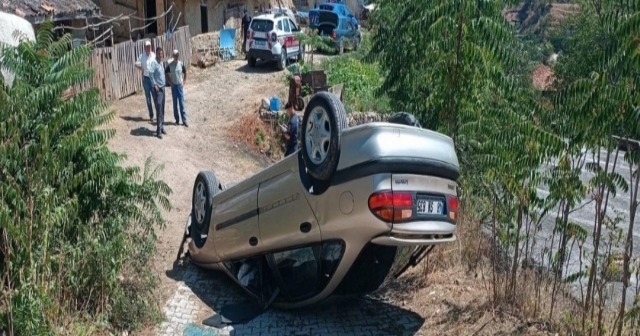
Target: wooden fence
[(115, 73)]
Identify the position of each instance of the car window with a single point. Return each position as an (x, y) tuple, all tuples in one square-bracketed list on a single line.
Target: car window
[(261, 25), (326, 7), (341, 25), (280, 27), (350, 25), (299, 271), (293, 25), (287, 29)]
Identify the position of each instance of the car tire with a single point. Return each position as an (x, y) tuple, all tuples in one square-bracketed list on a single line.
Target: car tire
[(282, 63), (321, 151), (252, 61), (299, 104), (356, 44), (205, 187)]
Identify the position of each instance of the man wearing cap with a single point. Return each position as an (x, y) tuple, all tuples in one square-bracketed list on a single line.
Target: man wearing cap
[(246, 21), (144, 62), (177, 78), (156, 75)]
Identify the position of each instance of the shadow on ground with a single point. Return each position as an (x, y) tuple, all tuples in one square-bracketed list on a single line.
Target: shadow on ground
[(143, 131), (134, 118), (261, 67), (356, 316)]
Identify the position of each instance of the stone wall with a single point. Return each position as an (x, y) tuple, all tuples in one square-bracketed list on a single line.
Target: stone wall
[(359, 118)]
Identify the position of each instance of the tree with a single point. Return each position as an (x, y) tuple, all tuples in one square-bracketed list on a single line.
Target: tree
[(314, 41), (76, 228), (459, 67)]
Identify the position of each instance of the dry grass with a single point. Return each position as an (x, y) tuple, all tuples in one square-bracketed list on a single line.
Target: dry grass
[(257, 136), (453, 290)]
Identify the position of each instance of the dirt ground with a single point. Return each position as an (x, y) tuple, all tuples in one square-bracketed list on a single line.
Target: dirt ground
[(451, 301), (215, 98)]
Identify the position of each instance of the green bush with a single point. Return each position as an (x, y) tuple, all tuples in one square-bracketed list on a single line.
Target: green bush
[(361, 81), (76, 228)]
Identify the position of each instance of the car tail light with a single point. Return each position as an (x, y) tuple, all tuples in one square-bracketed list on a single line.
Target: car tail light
[(274, 37), (391, 206), (333, 35), (452, 207)]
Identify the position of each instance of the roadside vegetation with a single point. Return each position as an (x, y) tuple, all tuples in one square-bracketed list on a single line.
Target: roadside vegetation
[(466, 72), (77, 228)]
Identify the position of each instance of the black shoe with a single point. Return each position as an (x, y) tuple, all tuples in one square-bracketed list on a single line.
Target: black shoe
[(185, 124), (177, 122), (164, 132), (159, 136)]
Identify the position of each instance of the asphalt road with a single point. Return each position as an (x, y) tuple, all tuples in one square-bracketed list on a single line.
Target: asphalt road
[(584, 215)]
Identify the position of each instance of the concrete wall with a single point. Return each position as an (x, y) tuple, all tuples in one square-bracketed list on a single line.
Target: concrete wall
[(124, 7), (191, 13), (9, 23)]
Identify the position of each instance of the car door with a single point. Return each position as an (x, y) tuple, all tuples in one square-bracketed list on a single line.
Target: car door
[(289, 38), (351, 31), (235, 222), (295, 43), (285, 217)]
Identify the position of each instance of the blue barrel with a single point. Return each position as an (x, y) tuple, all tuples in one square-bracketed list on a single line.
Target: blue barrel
[(274, 104)]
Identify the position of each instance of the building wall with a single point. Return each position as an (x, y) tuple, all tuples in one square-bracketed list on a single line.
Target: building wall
[(192, 17), (219, 13), (125, 7)]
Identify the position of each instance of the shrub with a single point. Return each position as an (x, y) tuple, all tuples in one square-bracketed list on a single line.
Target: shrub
[(76, 228), (361, 81)]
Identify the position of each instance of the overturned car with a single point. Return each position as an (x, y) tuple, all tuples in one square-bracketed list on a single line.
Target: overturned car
[(351, 210)]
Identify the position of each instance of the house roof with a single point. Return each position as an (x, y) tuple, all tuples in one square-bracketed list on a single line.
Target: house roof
[(36, 11)]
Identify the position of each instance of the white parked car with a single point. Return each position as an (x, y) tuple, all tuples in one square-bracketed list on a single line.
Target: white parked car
[(272, 38)]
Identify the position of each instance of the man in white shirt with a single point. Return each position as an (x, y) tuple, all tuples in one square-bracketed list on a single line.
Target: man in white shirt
[(144, 62)]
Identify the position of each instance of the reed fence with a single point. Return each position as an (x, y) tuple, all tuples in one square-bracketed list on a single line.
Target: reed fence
[(115, 73)]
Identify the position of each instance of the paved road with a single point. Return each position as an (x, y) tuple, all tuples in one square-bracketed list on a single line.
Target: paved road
[(365, 317), (584, 216)]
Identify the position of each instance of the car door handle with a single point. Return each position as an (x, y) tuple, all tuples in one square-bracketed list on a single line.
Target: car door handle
[(305, 227)]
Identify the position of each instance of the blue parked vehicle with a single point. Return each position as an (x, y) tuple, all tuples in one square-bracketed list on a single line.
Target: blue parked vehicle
[(335, 20)]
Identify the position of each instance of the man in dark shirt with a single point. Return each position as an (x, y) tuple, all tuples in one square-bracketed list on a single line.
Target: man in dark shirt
[(246, 21), (291, 134)]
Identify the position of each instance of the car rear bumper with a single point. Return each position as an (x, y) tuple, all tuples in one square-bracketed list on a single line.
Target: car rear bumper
[(266, 55), (418, 233)]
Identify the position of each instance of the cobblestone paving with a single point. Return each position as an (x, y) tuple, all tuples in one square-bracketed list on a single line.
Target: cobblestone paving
[(199, 292)]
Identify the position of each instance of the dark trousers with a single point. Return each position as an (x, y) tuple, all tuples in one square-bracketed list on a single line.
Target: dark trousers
[(148, 92), (158, 99), (244, 41), (290, 150)]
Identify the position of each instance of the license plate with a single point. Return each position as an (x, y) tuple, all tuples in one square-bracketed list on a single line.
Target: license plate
[(260, 43), (430, 207)]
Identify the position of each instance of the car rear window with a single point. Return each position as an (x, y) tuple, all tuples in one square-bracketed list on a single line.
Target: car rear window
[(261, 25), (326, 7)]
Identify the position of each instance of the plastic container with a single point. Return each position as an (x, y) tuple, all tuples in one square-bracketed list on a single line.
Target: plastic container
[(274, 104)]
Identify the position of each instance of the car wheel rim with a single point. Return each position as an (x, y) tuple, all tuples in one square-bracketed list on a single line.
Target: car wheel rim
[(318, 135), (284, 60), (201, 200)]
